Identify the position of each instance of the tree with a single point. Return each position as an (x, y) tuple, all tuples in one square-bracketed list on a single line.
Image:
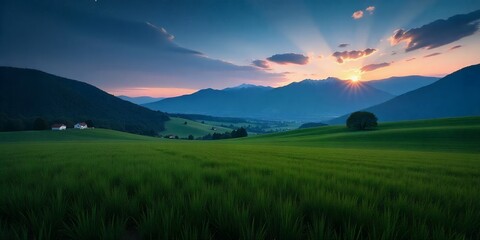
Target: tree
[(242, 132), (190, 137), (40, 124), (362, 120), (90, 123)]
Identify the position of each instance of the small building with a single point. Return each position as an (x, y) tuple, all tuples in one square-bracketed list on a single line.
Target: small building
[(81, 125), (59, 127)]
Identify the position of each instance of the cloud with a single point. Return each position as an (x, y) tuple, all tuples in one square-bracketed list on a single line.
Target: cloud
[(370, 9), (162, 30), (287, 58), (110, 52), (431, 55), (261, 64), (394, 53), (351, 55), (372, 67), (343, 45), (455, 47), (357, 15), (438, 33), (410, 59)]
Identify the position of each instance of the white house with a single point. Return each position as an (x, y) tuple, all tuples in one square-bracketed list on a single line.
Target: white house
[(59, 127), (81, 125)]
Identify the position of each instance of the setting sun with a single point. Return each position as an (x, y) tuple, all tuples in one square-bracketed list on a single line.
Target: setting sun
[(355, 78)]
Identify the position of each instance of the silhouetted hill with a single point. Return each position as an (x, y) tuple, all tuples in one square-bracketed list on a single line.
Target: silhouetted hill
[(401, 85), (452, 96), (139, 100), (26, 94), (306, 100)]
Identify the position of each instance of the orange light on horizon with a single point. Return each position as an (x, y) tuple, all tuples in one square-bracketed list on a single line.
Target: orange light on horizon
[(355, 78), (151, 92)]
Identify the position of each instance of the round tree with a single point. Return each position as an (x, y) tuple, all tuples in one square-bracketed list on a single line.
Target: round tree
[(40, 124), (361, 120)]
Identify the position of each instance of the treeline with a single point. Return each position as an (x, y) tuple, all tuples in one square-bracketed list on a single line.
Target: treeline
[(241, 132), (9, 124), (199, 117)]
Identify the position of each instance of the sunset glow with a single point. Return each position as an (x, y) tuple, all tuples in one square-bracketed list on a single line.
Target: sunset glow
[(196, 48), (355, 78), (152, 92)]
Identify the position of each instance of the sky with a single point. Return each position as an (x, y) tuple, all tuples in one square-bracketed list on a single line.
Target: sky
[(165, 48)]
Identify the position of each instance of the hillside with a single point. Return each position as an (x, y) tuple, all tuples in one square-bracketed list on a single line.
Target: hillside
[(401, 85), (27, 94), (447, 134), (303, 101), (72, 135), (452, 96), (322, 183)]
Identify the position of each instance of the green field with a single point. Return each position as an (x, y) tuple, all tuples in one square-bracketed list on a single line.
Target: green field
[(405, 180), (176, 126)]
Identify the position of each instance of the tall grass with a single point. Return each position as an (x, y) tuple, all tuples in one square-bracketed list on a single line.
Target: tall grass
[(235, 190)]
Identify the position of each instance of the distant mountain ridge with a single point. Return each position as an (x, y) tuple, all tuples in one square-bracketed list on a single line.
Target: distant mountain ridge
[(456, 95), (140, 100), (246, 85), (401, 85), (27, 93), (304, 101)]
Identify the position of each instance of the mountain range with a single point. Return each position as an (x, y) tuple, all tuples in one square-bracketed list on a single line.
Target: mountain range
[(400, 85), (455, 95), (27, 94), (301, 101), (140, 100)]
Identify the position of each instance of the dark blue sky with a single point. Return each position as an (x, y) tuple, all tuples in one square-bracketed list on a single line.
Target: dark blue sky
[(171, 47)]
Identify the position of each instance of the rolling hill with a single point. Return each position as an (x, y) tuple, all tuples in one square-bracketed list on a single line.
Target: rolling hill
[(303, 101), (405, 180), (452, 96), (401, 85), (177, 126), (27, 94)]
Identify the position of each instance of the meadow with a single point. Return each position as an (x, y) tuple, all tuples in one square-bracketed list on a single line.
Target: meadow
[(405, 180), (177, 126)]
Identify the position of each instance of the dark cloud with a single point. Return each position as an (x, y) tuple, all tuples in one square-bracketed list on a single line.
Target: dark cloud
[(410, 59), (343, 45), (261, 64), (439, 32), (431, 55), (372, 67), (287, 58), (351, 55), (110, 52), (455, 47)]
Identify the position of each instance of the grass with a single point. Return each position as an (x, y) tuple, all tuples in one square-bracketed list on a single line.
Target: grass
[(305, 184), (176, 126)]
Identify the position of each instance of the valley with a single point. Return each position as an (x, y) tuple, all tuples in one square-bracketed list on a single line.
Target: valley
[(395, 182)]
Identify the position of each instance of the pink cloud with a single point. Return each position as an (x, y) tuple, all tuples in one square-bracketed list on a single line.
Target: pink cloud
[(375, 66), (357, 15), (455, 47), (370, 9), (432, 55), (351, 55)]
